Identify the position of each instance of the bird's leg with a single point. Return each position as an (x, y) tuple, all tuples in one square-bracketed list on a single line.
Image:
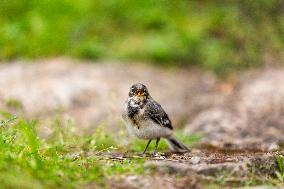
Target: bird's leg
[(147, 146), (157, 143)]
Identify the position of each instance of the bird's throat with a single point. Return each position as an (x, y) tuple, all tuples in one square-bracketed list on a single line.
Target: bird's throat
[(138, 102)]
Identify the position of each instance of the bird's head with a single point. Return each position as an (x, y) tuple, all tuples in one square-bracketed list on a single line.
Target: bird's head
[(138, 92)]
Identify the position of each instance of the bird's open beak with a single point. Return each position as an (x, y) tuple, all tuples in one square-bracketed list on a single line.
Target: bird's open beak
[(139, 92)]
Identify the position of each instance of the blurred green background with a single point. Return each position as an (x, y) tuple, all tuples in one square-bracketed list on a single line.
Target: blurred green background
[(219, 35)]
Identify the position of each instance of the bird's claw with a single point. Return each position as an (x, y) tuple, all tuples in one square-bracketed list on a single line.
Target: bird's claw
[(155, 154)]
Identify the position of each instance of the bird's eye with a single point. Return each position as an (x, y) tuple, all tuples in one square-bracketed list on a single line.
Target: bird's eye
[(131, 92)]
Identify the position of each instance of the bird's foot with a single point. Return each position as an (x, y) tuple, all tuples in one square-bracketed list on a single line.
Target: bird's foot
[(155, 154), (144, 154)]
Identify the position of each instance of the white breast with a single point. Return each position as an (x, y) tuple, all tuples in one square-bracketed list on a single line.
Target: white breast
[(148, 130), (151, 130)]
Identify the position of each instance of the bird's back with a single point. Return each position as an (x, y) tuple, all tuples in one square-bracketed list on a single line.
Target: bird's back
[(155, 112)]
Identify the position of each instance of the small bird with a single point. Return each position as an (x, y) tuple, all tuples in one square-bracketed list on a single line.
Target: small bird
[(146, 119)]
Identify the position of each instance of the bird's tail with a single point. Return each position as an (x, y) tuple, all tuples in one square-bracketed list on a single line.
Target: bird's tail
[(176, 145)]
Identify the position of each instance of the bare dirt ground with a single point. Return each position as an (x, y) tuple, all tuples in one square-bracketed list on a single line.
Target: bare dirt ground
[(241, 119), (199, 169)]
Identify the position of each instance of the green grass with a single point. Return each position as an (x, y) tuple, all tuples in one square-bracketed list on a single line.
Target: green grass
[(280, 164), (218, 35), (27, 161), (63, 159), (66, 159)]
